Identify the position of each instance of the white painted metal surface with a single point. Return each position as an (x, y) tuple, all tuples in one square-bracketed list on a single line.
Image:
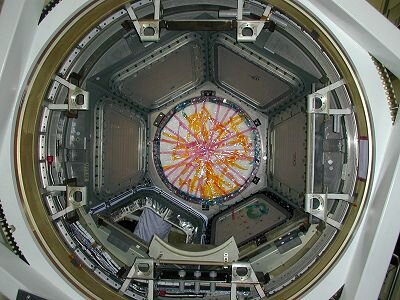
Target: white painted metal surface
[(362, 266), (22, 41), (351, 270), (365, 24), (16, 275), (381, 228)]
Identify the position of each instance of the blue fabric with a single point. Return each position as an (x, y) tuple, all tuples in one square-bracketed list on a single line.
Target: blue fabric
[(150, 224)]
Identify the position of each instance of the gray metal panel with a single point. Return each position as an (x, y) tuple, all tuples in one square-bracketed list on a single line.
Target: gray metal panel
[(289, 139), (120, 136), (152, 84), (167, 72), (252, 73), (287, 152), (258, 84), (283, 46)]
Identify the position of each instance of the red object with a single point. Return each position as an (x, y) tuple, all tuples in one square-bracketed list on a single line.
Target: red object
[(50, 159), (162, 293)]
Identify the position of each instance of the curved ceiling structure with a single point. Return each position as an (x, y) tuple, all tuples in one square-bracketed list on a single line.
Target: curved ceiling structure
[(183, 149)]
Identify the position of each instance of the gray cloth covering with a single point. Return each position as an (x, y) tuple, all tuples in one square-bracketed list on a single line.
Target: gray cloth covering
[(150, 224), (177, 216)]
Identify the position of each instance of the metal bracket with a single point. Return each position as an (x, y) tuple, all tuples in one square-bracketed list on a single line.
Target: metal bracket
[(76, 197), (316, 205), (149, 30), (159, 119), (142, 268), (220, 255), (243, 274), (319, 102), (248, 31), (78, 99)]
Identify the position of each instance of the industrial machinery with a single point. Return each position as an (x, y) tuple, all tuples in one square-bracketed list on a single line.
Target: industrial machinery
[(197, 149)]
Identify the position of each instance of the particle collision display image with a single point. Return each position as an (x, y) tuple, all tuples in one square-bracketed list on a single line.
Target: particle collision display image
[(207, 149)]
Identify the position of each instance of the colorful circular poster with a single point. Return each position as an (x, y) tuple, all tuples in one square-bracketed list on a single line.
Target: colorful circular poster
[(207, 149)]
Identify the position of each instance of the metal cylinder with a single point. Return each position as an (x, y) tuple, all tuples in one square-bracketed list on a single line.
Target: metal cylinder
[(336, 123), (213, 275), (232, 13), (182, 274), (197, 275), (278, 20)]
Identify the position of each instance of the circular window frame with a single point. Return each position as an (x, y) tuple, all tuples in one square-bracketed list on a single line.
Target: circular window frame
[(198, 100)]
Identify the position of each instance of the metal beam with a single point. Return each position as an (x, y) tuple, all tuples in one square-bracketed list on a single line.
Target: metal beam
[(18, 22), (22, 42), (381, 229), (367, 27)]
